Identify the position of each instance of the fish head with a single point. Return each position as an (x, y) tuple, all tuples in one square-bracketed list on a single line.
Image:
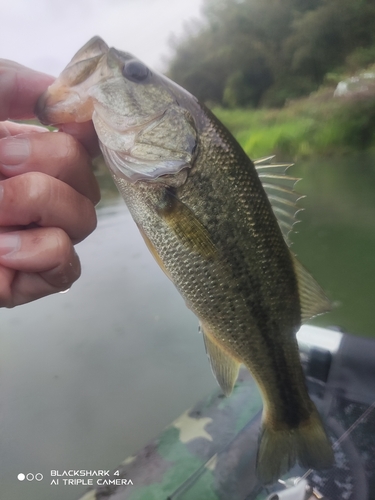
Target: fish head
[(145, 130)]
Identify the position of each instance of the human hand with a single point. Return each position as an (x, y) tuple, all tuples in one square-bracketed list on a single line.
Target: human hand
[(47, 193)]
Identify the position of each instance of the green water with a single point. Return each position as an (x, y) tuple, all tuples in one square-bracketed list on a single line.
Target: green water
[(336, 238), (98, 372)]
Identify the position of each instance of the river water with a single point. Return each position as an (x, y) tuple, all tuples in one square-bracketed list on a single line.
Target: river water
[(336, 238), (89, 376)]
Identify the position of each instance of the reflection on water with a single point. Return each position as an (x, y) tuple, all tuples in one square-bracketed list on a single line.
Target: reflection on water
[(89, 376)]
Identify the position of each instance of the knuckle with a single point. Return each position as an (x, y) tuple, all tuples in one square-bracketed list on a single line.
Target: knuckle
[(4, 128), (95, 194), (88, 220), (62, 243), (92, 219), (21, 194), (68, 269), (37, 186), (7, 277)]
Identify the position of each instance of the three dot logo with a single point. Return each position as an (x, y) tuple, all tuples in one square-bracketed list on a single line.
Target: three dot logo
[(30, 477)]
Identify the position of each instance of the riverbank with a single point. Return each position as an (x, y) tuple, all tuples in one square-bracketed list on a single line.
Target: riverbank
[(337, 119)]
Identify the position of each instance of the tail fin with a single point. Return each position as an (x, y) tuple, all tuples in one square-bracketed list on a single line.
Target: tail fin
[(280, 449)]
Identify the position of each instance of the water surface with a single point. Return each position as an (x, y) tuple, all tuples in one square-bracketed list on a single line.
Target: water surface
[(336, 238), (88, 377)]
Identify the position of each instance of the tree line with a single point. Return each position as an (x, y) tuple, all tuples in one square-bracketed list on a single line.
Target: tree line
[(250, 53)]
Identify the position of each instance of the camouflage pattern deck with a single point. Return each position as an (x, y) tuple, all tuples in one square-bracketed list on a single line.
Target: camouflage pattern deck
[(191, 450)]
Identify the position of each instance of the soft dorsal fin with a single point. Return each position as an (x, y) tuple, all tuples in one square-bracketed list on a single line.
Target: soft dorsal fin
[(312, 298), (224, 367), (279, 188)]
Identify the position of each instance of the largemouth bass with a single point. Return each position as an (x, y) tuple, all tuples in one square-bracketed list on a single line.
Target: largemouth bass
[(203, 212)]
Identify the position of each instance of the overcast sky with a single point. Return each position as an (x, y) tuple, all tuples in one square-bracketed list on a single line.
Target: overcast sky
[(45, 34)]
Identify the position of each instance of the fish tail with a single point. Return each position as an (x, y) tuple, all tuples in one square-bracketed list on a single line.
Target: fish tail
[(280, 448)]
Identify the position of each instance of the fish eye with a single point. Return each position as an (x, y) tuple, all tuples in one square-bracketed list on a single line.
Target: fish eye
[(135, 71)]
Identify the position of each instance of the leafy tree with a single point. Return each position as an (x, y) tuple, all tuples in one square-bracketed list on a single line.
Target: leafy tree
[(253, 52), (324, 37)]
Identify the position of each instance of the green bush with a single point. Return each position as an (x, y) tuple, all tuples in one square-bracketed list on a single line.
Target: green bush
[(360, 58), (315, 125)]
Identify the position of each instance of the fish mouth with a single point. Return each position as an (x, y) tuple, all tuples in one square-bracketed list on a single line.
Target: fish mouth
[(58, 107), (60, 103)]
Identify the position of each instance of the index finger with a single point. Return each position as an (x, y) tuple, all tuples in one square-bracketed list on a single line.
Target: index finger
[(20, 88)]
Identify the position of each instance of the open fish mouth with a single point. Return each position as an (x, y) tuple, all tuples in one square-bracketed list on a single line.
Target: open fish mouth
[(60, 102)]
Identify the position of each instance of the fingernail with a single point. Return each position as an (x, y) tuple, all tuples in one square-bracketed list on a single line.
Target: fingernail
[(9, 243), (14, 150)]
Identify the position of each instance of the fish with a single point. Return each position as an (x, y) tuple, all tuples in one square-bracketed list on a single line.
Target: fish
[(217, 224)]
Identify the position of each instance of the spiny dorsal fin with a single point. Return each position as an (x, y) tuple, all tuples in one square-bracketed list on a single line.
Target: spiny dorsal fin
[(224, 367), (279, 188), (312, 298)]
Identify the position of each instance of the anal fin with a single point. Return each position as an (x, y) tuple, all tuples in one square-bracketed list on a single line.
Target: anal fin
[(223, 365)]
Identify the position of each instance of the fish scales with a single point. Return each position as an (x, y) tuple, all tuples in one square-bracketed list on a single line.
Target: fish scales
[(249, 250), (237, 305), (201, 208)]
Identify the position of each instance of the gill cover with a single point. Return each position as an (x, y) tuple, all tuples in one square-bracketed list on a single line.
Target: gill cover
[(162, 146), (143, 131)]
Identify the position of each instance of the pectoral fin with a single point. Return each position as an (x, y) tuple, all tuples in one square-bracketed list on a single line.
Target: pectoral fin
[(224, 367), (186, 226)]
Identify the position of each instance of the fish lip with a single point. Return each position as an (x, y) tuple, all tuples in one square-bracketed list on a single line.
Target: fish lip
[(40, 109), (57, 105), (48, 106)]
